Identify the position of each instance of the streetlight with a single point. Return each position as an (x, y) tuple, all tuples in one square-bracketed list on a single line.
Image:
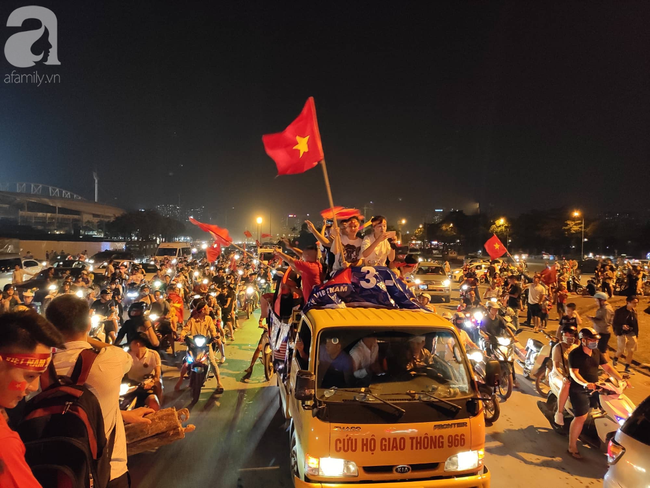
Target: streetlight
[(576, 213), (259, 221), (503, 223)]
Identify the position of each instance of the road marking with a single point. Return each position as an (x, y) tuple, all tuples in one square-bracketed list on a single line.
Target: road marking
[(263, 468)]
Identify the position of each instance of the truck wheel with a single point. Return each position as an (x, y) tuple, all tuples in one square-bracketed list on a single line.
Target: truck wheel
[(295, 471)]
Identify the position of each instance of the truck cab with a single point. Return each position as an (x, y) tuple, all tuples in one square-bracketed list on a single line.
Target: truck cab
[(381, 396)]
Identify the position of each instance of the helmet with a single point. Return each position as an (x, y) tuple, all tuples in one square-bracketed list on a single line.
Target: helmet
[(600, 295), (426, 295), (569, 329), (144, 287), (137, 309), (588, 333), (28, 293), (492, 304)]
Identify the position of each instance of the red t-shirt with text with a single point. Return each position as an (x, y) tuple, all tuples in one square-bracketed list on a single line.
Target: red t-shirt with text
[(14, 471)]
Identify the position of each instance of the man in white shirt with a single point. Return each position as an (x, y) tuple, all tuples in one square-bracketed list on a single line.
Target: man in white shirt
[(146, 369), (365, 356), (71, 316), (376, 248), (536, 292), (18, 275)]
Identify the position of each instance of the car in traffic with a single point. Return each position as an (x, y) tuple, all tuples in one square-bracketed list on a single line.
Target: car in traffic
[(8, 263), (628, 452), (42, 285), (430, 278), (105, 256)]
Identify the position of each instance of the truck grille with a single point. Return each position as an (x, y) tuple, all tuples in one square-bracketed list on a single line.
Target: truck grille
[(389, 469)]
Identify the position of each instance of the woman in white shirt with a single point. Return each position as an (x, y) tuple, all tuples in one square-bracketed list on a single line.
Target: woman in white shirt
[(376, 248)]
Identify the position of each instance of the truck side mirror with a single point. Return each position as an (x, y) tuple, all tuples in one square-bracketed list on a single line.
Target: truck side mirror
[(305, 386), (492, 372)]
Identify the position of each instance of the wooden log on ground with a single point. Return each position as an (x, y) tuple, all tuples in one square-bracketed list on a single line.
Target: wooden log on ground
[(162, 421)]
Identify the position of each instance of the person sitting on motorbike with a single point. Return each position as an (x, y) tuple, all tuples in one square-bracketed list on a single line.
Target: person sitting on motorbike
[(83, 280), (138, 326), (492, 291), (458, 320), (474, 299), (560, 358), (424, 299), (584, 362), (201, 324), (495, 326), (145, 295), (106, 307), (146, 371)]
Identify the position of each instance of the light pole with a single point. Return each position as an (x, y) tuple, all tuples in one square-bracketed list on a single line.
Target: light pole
[(259, 226), (576, 213)]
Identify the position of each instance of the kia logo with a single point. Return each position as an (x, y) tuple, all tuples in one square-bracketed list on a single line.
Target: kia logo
[(402, 469)]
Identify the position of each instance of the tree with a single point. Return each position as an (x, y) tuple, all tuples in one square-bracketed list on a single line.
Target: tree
[(145, 225)]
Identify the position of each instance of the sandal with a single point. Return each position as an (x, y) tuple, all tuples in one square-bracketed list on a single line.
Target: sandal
[(575, 455), (219, 390)]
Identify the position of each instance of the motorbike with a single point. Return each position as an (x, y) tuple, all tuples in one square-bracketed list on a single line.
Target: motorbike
[(611, 410), (97, 330), (131, 295), (251, 300), (537, 362), (133, 393), (198, 363), (491, 408), (502, 351), (473, 321)]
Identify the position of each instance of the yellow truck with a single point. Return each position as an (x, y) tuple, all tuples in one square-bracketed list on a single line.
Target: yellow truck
[(382, 397)]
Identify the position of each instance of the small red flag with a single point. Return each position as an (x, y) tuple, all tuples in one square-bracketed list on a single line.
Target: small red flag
[(220, 235), (297, 148), (212, 253), (266, 236), (257, 243), (495, 247), (341, 213), (248, 234)]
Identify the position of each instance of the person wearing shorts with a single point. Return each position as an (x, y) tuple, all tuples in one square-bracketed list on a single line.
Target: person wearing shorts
[(536, 293), (584, 362)]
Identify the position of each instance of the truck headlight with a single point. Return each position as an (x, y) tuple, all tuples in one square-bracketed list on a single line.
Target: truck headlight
[(330, 467), (464, 461), (446, 283)]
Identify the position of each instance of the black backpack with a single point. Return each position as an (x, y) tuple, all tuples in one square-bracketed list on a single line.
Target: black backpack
[(63, 431)]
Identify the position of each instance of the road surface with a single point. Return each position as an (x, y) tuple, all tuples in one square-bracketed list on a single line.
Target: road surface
[(241, 440)]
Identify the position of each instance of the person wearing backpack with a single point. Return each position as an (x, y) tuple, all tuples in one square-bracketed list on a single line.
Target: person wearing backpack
[(71, 316), (26, 342)]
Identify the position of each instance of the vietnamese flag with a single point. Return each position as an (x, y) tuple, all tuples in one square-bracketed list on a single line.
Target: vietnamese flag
[(495, 247), (212, 253), (297, 148), (248, 234), (266, 236), (220, 235)]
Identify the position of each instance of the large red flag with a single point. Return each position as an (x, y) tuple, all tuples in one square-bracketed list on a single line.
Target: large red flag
[(495, 247), (248, 234), (298, 147), (266, 236), (220, 235), (341, 213)]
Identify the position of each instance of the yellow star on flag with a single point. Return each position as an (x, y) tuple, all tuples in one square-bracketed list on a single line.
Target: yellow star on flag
[(302, 145), (496, 245)]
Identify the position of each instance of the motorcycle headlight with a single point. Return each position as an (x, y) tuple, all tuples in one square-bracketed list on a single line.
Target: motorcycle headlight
[(132, 295), (476, 356), (330, 467), (157, 284), (196, 273), (52, 287), (94, 320), (124, 389), (236, 256), (197, 296), (256, 262), (464, 460), (240, 272), (464, 287), (418, 281), (468, 323), (153, 317), (250, 290), (262, 282), (179, 285), (446, 283), (80, 294), (478, 316), (205, 281), (213, 294), (503, 341), (44, 263), (493, 300), (199, 341), (174, 261)]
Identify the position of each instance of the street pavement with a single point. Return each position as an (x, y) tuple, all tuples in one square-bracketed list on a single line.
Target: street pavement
[(241, 440)]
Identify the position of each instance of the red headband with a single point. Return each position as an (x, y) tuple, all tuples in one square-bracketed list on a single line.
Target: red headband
[(31, 362)]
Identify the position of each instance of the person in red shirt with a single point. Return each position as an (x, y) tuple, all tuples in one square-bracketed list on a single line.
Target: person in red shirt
[(26, 342), (308, 267)]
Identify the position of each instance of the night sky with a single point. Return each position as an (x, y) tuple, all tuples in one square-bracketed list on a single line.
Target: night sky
[(421, 105)]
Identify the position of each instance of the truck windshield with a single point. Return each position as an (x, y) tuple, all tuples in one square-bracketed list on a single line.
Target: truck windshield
[(393, 361)]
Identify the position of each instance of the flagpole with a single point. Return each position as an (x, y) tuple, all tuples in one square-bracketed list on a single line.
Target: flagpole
[(339, 247)]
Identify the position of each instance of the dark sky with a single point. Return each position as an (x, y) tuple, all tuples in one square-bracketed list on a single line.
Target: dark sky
[(421, 105)]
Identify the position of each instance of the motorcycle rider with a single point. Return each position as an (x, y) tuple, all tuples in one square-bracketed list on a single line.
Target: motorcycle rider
[(201, 324), (560, 358), (145, 296), (146, 369), (106, 307), (138, 326), (495, 326), (584, 362)]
